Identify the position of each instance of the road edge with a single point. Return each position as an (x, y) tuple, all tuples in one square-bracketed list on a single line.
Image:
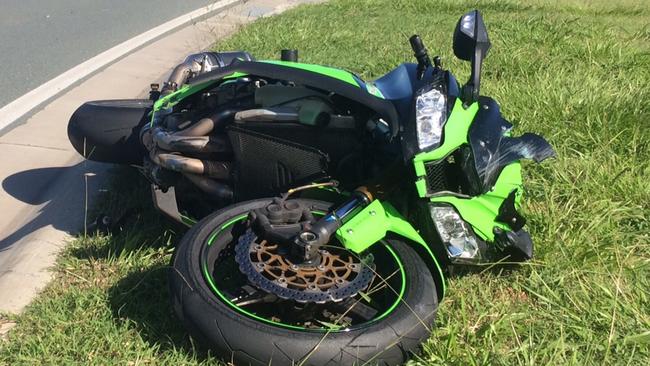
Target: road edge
[(19, 107)]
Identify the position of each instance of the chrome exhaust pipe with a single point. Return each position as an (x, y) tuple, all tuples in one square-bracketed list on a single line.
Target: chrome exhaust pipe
[(189, 144), (218, 190), (201, 128), (182, 164)]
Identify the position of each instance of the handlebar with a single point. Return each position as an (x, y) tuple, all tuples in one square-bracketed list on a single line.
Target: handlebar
[(420, 53)]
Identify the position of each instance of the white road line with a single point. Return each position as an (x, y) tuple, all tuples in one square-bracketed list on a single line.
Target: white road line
[(34, 98)]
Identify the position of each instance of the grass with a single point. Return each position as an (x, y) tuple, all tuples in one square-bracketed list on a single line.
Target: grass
[(575, 71)]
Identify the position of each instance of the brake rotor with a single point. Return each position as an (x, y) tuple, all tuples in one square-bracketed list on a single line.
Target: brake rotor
[(338, 276)]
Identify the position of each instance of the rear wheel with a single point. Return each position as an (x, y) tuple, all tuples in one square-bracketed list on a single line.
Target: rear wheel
[(109, 130), (380, 323)]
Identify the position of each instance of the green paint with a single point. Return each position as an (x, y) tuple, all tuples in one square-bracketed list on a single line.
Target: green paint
[(332, 72), (188, 220), (421, 187), (216, 290), (181, 93), (225, 226), (481, 211), (454, 135), (370, 226), (184, 91), (170, 100)]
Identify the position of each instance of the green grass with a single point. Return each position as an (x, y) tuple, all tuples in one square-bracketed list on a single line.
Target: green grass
[(575, 71)]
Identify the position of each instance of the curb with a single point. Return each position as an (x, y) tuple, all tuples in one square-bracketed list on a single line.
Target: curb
[(43, 186)]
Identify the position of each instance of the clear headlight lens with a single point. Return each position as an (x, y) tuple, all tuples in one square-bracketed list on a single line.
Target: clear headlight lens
[(430, 116), (458, 239)]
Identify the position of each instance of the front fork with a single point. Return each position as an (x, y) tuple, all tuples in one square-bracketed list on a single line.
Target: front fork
[(307, 243)]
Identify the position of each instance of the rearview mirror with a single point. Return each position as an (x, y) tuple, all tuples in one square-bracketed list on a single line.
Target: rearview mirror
[(471, 43)]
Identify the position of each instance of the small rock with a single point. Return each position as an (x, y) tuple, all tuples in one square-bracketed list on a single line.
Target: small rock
[(5, 327)]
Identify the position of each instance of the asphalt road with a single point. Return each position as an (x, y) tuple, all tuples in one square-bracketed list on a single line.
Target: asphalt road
[(41, 39)]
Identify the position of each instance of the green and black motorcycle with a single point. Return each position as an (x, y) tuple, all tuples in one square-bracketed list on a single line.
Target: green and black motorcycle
[(345, 201)]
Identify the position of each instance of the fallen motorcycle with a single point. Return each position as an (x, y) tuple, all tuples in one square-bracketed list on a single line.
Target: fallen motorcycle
[(345, 201)]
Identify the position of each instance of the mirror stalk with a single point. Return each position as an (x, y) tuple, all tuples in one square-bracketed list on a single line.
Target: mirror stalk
[(472, 87)]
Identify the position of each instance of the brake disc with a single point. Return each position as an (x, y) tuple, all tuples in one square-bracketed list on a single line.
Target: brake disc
[(338, 276)]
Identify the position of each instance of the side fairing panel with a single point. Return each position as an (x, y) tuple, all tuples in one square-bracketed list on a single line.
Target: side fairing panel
[(481, 211)]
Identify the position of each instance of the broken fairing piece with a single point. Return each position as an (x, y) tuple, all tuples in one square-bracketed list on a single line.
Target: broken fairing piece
[(493, 148)]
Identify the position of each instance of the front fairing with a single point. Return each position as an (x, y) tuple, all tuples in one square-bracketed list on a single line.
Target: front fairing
[(490, 163)]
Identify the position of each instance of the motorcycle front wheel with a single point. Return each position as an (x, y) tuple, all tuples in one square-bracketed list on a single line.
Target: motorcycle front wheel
[(381, 324)]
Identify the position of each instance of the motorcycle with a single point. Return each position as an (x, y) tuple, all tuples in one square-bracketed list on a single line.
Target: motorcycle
[(345, 201)]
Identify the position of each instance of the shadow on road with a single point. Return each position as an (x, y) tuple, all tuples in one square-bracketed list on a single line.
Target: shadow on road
[(59, 191)]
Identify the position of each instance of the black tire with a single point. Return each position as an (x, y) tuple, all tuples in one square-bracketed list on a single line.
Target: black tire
[(109, 130), (245, 341)]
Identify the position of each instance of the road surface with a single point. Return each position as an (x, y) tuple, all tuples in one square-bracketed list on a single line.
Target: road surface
[(41, 39), (42, 179)]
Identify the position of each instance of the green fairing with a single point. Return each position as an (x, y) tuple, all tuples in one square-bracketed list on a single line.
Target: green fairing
[(184, 91), (370, 226), (172, 99), (455, 134), (481, 211), (332, 72)]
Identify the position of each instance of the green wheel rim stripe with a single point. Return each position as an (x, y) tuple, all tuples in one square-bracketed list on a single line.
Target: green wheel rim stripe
[(403, 284), (213, 286), (225, 226)]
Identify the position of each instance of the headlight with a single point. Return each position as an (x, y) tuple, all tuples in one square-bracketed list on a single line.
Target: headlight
[(459, 241), (430, 117)]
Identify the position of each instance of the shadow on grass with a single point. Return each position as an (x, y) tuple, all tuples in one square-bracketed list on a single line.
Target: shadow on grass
[(140, 246), (142, 298), (135, 224), (495, 269)]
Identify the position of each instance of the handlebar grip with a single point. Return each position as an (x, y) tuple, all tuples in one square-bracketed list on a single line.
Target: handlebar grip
[(420, 53), (418, 47)]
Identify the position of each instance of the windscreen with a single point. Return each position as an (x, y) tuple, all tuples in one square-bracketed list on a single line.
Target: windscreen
[(493, 148)]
